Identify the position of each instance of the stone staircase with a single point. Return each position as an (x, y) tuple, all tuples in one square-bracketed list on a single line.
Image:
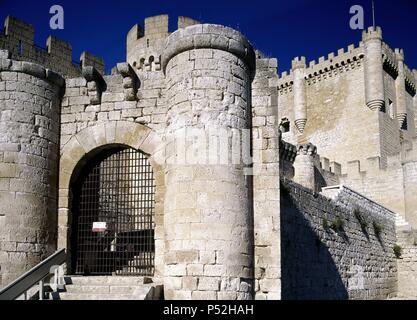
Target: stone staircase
[(108, 288)]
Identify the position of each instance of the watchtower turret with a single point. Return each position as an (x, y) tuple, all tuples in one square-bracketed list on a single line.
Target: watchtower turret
[(374, 77), (400, 88), (29, 145), (304, 165), (209, 69), (145, 44), (300, 105)]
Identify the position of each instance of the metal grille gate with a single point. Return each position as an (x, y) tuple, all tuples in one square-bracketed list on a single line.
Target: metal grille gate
[(114, 215)]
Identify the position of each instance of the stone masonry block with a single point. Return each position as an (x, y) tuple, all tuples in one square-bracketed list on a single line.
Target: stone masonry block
[(209, 284)]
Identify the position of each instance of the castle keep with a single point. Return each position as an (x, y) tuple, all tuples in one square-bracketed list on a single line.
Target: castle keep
[(194, 167)]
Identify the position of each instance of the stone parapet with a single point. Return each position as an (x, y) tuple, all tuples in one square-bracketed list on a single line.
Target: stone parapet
[(206, 36)]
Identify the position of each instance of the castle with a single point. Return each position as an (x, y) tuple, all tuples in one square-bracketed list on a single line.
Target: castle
[(196, 166)]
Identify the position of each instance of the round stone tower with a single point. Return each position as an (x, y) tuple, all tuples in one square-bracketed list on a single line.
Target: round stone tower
[(304, 165), (300, 104), (374, 75), (400, 88), (29, 149), (208, 215)]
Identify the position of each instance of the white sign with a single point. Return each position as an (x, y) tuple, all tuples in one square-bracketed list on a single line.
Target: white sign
[(99, 226)]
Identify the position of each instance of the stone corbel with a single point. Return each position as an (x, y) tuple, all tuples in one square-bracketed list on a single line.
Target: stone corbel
[(130, 81), (95, 84), (307, 149)]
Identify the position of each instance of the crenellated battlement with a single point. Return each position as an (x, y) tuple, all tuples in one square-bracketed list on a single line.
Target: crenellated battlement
[(287, 151), (7, 63), (326, 172), (341, 61), (375, 166), (157, 27), (16, 28), (329, 172), (410, 80), (358, 174), (372, 33), (59, 48), (409, 151), (399, 54), (285, 82), (18, 39), (154, 27), (370, 165), (89, 60), (145, 44), (335, 63), (298, 63), (345, 60), (330, 167), (390, 59)]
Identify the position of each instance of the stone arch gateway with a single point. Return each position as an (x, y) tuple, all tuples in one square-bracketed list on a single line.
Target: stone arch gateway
[(113, 215)]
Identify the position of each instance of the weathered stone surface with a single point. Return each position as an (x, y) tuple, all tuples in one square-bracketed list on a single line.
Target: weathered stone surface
[(332, 249), (29, 149), (220, 129), (406, 263)]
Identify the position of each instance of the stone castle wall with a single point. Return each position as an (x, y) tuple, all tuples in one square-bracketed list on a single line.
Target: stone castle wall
[(383, 185), (321, 261), (335, 104), (392, 185), (407, 262), (336, 95)]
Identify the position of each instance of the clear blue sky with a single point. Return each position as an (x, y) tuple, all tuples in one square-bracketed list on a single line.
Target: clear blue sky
[(281, 29)]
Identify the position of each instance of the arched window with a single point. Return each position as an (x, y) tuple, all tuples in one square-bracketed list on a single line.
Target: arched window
[(113, 215), (151, 63), (20, 48), (142, 63)]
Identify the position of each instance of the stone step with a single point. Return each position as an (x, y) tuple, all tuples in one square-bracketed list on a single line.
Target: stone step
[(131, 289), (146, 292), (95, 289), (108, 288), (97, 296), (104, 280)]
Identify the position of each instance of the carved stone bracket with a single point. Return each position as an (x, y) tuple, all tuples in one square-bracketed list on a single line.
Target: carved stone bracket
[(307, 149), (130, 81), (95, 84)]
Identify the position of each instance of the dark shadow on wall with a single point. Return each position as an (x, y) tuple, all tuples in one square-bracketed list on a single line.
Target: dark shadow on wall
[(308, 269)]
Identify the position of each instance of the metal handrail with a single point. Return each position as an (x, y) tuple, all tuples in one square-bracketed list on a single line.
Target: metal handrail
[(35, 275)]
